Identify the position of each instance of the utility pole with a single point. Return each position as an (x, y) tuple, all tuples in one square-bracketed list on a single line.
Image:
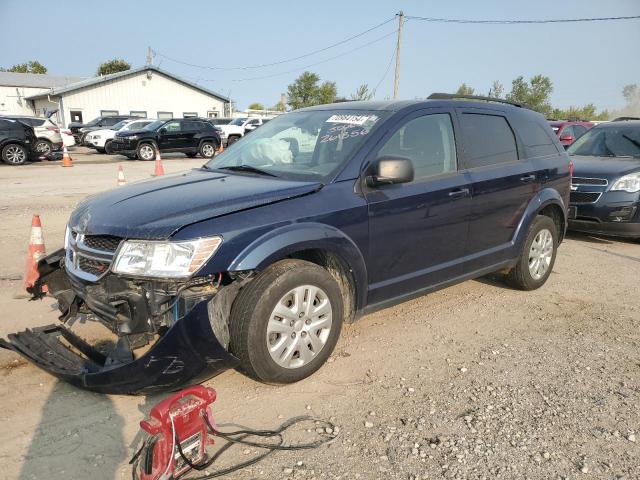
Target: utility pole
[(149, 56), (396, 80)]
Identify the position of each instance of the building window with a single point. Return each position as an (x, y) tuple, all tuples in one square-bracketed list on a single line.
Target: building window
[(76, 116), (108, 113), (212, 114), (165, 115), (138, 113), (189, 114)]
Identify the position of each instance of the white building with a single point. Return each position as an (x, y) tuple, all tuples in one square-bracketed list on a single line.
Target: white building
[(146, 92)]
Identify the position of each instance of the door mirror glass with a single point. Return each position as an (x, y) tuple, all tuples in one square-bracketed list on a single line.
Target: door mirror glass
[(389, 170)]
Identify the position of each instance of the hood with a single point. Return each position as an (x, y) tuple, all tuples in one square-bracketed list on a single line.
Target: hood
[(231, 128), (603, 167), (103, 131), (155, 209)]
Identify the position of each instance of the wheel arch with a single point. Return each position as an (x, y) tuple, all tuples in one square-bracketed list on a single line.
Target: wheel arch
[(317, 243), (548, 202)]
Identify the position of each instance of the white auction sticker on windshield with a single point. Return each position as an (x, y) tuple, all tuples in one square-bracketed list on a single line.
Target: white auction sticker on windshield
[(350, 119)]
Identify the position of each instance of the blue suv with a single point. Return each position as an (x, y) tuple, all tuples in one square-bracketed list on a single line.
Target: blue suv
[(322, 215)]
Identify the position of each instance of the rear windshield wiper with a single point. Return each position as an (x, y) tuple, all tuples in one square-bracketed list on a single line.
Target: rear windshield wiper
[(247, 168)]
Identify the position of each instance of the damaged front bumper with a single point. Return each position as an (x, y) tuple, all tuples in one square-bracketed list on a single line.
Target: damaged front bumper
[(186, 352)]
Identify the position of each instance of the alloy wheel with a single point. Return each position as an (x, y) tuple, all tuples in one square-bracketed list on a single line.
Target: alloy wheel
[(540, 254), (15, 154)]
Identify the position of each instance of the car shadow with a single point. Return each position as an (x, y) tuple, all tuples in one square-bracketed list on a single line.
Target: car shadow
[(599, 239), (79, 436)]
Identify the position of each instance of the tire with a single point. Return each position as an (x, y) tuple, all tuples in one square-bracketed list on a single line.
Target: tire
[(232, 140), (43, 147), (131, 157), (524, 275), (100, 150), (107, 147), (207, 149), (14, 154), (251, 319), (146, 151)]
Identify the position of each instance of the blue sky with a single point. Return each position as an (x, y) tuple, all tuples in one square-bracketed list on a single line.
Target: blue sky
[(588, 62)]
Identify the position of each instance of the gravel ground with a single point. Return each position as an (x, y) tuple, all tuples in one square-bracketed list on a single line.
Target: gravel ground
[(475, 381)]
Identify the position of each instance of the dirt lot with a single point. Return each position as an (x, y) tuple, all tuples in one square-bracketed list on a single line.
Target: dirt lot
[(476, 381)]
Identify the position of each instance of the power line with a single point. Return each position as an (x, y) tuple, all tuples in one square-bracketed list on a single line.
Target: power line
[(520, 22), (386, 72), (317, 63), (279, 62)]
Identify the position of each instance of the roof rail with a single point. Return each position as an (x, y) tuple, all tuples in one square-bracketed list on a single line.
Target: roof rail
[(624, 119), (452, 96)]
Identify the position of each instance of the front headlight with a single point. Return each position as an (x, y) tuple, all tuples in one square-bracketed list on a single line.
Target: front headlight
[(629, 183), (132, 137), (164, 259), (95, 137)]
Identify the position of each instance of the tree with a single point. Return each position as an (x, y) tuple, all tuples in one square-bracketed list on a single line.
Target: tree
[(113, 66), (631, 94), (588, 112), (496, 90), (465, 89), (535, 93), (30, 67), (256, 106), (305, 91), (362, 93)]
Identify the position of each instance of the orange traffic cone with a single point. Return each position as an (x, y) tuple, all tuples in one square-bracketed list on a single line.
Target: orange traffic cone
[(66, 159), (159, 170), (121, 179), (35, 253), (221, 148)]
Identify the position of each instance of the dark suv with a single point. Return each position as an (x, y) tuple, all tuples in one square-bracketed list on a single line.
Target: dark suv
[(318, 217), (79, 130), (17, 140), (191, 136)]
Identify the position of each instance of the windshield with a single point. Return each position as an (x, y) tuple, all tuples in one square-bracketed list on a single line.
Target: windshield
[(119, 125), (238, 121), (137, 125), (155, 125), (608, 141), (93, 122), (308, 146)]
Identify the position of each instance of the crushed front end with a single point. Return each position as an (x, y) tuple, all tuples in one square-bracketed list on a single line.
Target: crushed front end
[(168, 332)]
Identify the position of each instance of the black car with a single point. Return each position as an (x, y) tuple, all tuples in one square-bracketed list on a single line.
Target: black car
[(80, 129), (315, 219), (17, 141), (605, 188), (191, 136)]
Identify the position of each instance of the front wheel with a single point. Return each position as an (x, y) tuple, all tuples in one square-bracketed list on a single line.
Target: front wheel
[(286, 322), (146, 151), (538, 255), (108, 149)]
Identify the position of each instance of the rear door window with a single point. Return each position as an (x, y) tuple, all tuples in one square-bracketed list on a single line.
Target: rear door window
[(488, 139)]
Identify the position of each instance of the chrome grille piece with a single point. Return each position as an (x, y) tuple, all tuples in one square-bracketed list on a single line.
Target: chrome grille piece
[(589, 181), (89, 257)]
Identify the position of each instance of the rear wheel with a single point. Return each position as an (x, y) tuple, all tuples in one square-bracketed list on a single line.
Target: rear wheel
[(15, 154), (207, 149), (146, 151), (232, 140), (538, 255), (285, 323), (43, 147)]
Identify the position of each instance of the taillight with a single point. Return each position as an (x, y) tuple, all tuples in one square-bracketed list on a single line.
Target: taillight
[(570, 167), (53, 129)]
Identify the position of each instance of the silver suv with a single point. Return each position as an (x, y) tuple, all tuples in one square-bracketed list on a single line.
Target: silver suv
[(47, 133)]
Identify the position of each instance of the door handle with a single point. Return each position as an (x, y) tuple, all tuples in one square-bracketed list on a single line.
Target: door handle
[(458, 193), (528, 178)]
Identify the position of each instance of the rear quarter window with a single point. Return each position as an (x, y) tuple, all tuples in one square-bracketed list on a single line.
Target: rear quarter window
[(538, 139), (488, 140)]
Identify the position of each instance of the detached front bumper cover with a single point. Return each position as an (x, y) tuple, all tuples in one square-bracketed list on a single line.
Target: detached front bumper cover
[(188, 352)]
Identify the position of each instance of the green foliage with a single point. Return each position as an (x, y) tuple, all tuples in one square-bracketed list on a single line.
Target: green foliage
[(256, 106), (465, 89), (588, 112), (362, 93), (306, 91), (535, 93), (496, 90), (113, 66), (30, 67)]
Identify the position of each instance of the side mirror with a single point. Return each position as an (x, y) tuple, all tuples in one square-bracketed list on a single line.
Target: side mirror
[(391, 170), (162, 131), (566, 138)]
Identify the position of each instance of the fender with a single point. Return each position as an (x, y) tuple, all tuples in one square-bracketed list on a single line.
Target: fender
[(281, 242), (543, 198)]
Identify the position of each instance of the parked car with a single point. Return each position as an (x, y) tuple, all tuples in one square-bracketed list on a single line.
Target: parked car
[(605, 188), (101, 140), (569, 132), (80, 129), (259, 257), (68, 140), (219, 120), (48, 137), (191, 136), (238, 127), (17, 141)]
